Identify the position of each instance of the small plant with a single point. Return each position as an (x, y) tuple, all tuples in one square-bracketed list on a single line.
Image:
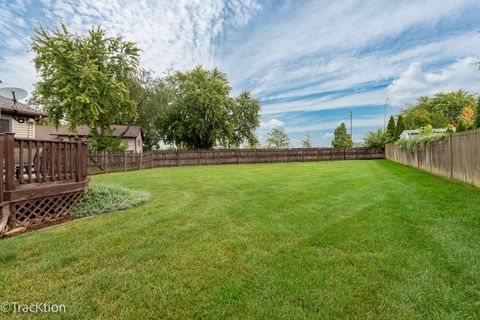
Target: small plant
[(426, 136), (100, 198)]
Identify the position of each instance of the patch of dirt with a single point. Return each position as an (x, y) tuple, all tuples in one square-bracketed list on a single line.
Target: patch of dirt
[(42, 225)]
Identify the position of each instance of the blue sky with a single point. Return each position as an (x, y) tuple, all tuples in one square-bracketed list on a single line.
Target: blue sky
[(308, 62)]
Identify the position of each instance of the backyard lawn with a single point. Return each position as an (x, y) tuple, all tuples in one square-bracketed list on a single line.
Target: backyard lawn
[(345, 239)]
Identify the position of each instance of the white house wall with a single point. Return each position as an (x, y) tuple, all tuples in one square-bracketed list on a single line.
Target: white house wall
[(21, 130)]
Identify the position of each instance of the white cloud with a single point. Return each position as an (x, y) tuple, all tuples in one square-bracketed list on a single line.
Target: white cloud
[(414, 82), (272, 124), (171, 34)]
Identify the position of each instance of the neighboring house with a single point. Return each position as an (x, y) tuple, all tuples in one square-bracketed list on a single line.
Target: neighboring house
[(131, 135), (20, 119), (412, 133)]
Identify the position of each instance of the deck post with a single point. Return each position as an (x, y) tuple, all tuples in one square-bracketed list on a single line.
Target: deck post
[(78, 161), (2, 157), (9, 161)]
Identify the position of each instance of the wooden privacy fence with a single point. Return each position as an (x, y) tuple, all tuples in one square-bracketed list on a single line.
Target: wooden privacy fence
[(41, 179), (457, 157), (100, 162)]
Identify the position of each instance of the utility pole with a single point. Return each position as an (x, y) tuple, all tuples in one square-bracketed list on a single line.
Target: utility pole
[(351, 127), (385, 115)]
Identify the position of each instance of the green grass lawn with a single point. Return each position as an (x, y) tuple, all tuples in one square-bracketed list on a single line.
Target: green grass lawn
[(346, 239)]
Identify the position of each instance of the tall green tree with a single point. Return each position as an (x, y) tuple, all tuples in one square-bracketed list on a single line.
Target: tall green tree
[(391, 132), (152, 96), (476, 124), (278, 139), (243, 120), (202, 115), (400, 127), (341, 138), (83, 79)]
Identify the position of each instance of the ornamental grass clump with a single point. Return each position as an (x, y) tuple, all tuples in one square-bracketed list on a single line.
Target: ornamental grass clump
[(100, 198), (425, 137)]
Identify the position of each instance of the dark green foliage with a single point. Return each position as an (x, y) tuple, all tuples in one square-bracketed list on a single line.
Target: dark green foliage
[(461, 126), (107, 143), (202, 115), (374, 139), (477, 115), (400, 127), (341, 138), (100, 198), (391, 132), (278, 139), (83, 79), (438, 111), (152, 96)]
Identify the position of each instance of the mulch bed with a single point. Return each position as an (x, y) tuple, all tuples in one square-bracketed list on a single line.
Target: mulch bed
[(42, 225)]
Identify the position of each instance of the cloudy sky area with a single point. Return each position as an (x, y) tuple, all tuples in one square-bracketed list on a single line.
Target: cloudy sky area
[(308, 62)]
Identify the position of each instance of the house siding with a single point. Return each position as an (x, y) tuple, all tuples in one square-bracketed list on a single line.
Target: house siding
[(21, 130)]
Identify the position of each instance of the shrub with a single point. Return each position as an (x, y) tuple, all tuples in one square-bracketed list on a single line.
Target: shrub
[(425, 137), (462, 126), (374, 139), (101, 198)]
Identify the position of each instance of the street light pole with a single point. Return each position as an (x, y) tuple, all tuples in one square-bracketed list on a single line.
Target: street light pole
[(351, 127), (385, 115)]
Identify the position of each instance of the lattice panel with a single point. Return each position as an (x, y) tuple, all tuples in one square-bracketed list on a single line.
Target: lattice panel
[(28, 212)]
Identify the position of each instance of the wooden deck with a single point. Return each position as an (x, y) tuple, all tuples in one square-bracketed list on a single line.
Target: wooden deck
[(41, 179)]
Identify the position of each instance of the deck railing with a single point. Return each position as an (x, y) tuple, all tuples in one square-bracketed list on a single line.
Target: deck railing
[(29, 161)]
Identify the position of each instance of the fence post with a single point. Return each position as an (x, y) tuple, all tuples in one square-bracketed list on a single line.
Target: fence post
[(79, 175), (141, 160), (107, 159), (124, 161), (450, 142), (152, 153)]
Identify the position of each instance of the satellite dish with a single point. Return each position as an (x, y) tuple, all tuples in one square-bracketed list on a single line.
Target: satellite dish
[(13, 94)]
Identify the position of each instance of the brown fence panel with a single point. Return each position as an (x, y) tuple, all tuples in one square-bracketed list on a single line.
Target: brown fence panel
[(457, 157), (101, 162)]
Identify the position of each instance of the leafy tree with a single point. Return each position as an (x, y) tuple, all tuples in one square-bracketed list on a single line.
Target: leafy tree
[(152, 96), (400, 127), (391, 132), (374, 139), (202, 115), (468, 116), (477, 115), (83, 79), (243, 120), (278, 139), (341, 138), (306, 141), (438, 111)]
